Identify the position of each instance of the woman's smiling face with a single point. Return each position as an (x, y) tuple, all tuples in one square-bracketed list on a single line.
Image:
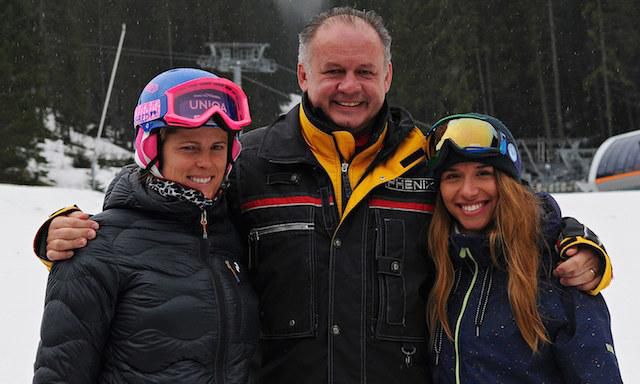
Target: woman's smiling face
[(196, 158), (470, 193)]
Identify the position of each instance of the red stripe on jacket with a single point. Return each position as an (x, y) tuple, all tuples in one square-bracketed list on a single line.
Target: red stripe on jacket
[(401, 206), (274, 202)]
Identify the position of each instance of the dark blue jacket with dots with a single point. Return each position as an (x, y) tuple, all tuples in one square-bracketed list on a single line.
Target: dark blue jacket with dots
[(487, 345)]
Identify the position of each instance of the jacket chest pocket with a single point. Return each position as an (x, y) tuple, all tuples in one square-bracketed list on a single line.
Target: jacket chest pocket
[(282, 265), (401, 272)]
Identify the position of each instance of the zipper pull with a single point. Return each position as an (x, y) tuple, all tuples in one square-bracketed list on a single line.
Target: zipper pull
[(233, 271), (203, 222), (345, 167), (408, 352)]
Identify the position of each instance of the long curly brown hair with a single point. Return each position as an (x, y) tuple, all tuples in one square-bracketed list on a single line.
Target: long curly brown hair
[(515, 232)]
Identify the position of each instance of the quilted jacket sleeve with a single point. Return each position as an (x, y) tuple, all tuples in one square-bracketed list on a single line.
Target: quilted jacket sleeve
[(584, 349), (79, 306)]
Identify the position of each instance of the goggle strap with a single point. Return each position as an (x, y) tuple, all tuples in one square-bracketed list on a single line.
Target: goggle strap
[(151, 164)]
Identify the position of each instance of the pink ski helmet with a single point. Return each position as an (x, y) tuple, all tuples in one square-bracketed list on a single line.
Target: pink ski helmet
[(187, 98)]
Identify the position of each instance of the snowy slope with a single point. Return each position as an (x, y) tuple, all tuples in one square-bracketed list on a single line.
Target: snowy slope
[(615, 216), (60, 158)]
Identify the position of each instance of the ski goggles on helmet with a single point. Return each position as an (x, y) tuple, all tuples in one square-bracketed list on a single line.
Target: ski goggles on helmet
[(195, 103), (472, 137)]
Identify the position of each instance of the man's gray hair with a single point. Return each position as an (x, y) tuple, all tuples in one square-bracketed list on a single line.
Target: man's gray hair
[(345, 15)]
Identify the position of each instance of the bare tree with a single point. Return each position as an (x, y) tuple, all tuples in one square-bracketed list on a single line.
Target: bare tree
[(482, 86), (556, 74), (605, 71)]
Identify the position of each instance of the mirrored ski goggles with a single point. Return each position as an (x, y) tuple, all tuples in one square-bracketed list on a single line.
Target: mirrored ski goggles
[(472, 136), (194, 103)]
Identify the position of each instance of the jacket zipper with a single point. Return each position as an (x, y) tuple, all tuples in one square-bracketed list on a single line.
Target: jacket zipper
[(255, 233), (346, 185), (485, 291), (464, 252), (204, 253)]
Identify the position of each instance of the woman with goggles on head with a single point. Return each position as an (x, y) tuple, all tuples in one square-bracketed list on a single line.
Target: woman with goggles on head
[(496, 313), (160, 295)]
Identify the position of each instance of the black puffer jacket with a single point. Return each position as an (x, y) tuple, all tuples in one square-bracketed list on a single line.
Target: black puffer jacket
[(150, 300)]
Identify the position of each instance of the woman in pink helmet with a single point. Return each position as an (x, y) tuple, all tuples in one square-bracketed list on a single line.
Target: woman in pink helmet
[(160, 295)]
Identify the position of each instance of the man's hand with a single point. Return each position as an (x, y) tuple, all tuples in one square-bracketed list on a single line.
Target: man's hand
[(67, 233), (580, 270)]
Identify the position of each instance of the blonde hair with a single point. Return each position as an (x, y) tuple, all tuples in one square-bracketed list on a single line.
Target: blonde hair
[(515, 235)]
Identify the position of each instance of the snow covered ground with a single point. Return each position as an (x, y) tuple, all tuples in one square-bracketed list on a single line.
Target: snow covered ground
[(61, 171), (615, 216)]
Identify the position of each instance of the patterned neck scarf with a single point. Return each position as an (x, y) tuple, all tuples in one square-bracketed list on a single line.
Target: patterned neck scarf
[(169, 188)]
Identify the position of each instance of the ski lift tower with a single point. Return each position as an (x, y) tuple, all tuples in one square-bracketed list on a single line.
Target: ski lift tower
[(236, 58)]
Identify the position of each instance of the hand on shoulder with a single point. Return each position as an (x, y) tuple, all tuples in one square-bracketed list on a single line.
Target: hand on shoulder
[(67, 233)]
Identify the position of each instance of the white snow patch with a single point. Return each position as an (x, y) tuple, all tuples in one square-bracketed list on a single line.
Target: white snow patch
[(59, 156), (615, 216)]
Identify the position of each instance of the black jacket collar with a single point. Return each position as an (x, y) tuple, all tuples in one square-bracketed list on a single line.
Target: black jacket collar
[(283, 141)]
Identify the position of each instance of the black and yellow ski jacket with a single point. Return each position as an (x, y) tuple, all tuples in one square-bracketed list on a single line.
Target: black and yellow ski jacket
[(337, 248)]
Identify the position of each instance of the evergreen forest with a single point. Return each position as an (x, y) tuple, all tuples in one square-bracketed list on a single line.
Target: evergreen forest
[(560, 70)]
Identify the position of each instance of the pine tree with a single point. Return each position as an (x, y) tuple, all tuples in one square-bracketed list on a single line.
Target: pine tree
[(21, 115)]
